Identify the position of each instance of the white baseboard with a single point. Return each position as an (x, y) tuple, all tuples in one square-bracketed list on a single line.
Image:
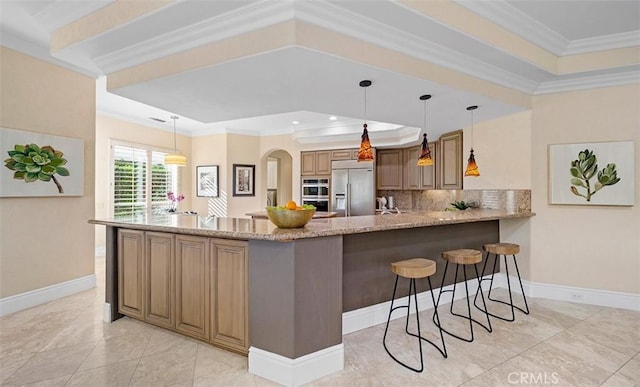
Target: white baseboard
[(106, 312), (40, 296), (369, 316), (582, 295), (101, 251), (296, 372)]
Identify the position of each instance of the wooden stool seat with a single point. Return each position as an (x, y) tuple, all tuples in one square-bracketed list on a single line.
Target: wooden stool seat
[(414, 268), (463, 256), (502, 248)]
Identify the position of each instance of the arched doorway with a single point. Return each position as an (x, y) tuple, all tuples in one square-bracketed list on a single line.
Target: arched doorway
[(279, 167)]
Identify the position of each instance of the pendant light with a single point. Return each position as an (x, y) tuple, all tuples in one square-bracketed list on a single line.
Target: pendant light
[(365, 153), (425, 154), (472, 167), (175, 158)]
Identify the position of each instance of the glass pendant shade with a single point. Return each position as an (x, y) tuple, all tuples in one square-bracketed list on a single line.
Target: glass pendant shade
[(425, 154), (425, 158), (175, 158), (472, 167), (365, 153)]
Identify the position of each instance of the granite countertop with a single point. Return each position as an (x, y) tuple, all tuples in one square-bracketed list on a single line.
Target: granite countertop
[(263, 229)]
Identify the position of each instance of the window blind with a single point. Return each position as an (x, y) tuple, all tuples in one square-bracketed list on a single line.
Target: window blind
[(140, 180)]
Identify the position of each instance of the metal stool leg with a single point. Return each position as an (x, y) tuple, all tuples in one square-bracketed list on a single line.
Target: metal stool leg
[(510, 303), (468, 317), (412, 289)]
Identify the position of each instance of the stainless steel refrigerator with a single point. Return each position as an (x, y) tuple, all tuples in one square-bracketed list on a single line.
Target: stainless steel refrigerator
[(353, 188)]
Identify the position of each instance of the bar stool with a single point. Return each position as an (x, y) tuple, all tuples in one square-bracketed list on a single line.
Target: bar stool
[(412, 269), (463, 257), (504, 249)]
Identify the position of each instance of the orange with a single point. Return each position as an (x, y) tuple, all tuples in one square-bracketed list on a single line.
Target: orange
[(291, 205)]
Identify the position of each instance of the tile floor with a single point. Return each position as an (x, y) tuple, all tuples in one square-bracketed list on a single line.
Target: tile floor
[(65, 343)]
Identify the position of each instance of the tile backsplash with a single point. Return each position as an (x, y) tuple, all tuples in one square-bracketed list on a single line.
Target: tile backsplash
[(437, 200)]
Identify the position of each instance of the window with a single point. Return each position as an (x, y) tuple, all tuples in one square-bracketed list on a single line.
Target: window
[(137, 187)]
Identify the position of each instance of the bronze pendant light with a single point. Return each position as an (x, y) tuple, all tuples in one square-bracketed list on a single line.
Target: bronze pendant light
[(472, 167), (365, 153), (425, 154)]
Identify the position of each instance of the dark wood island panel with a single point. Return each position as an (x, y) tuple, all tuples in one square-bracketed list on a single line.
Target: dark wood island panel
[(367, 278)]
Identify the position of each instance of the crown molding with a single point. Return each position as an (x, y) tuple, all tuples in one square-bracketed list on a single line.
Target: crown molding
[(243, 20), (14, 42), (601, 43), (506, 16), (342, 21), (588, 82)]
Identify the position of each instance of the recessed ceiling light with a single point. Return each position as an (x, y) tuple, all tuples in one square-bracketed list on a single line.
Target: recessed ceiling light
[(295, 122), (333, 118)]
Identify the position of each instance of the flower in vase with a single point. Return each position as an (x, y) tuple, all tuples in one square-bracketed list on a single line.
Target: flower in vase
[(174, 201)]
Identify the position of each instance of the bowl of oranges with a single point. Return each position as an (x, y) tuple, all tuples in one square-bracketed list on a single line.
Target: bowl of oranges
[(290, 215)]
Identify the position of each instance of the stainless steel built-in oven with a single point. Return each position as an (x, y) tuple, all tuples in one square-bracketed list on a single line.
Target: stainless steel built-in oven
[(316, 187), (315, 191)]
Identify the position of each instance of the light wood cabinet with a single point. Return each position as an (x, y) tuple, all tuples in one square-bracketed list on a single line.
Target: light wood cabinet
[(389, 164), (416, 177), (412, 174), (192, 286), (450, 160), (429, 173), (131, 273), (344, 154), (159, 279), (229, 294), (315, 163)]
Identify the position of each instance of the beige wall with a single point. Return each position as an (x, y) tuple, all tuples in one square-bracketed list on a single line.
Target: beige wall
[(52, 242), (108, 130), (595, 247), (212, 150), (502, 149)]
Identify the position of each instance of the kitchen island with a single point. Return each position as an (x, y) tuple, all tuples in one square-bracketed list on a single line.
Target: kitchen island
[(280, 293)]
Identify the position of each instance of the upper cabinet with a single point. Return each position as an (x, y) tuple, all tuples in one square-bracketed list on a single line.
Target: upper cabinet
[(315, 163), (416, 177), (389, 166), (450, 160), (344, 154)]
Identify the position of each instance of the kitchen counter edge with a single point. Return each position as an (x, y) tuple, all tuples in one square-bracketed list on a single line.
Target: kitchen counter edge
[(262, 229)]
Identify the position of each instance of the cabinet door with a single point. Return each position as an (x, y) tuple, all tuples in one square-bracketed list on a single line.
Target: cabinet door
[(341, 154), (450, 160), (389, 169), (428, 173), (192, 286), (323, 163), (131, 273), (411, 178), (159, 289), (229, 295), (307, 163)]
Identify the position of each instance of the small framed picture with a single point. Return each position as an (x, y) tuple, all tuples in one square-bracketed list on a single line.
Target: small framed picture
[(207, 181), (244, 180)]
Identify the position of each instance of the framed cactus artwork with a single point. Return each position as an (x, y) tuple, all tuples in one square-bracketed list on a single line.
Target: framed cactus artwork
[(36, 164), (597, 173)]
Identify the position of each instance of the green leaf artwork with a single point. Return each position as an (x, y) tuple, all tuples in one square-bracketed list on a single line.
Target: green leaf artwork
[(584, 169), (33, 163)]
